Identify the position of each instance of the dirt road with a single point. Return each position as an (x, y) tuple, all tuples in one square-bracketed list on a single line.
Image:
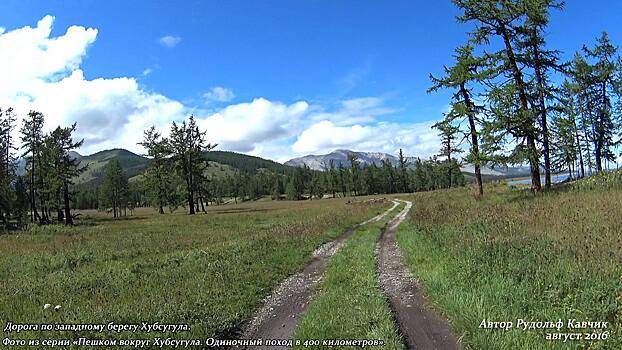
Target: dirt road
[(279, 315), (421, 327)]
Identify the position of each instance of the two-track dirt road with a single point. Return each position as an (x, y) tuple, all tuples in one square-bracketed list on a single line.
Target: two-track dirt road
[(420, 326), (279, 315)]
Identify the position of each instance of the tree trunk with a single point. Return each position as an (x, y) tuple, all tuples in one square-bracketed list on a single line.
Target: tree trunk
[(589, 151), (576, 134), (45, 215), (202, 205), (34, 214), (190, 184), (536, 184), (474, 141), (543, 120), (449, 161), (601, 129), (598, 149), (68, 217), (190, 198)]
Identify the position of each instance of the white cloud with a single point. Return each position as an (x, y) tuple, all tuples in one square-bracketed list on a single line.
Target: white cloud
[(323, 137), (29, 57), (44, 73), (147, 71), (245, 127), (170, 41), (219, 94)]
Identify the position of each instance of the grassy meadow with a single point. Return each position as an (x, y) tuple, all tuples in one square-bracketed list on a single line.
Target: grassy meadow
[(208, 271), (515, 255)]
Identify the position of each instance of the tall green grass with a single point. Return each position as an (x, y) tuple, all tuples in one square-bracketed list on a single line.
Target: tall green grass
[(601, 181), (207, 271), (515, 255)]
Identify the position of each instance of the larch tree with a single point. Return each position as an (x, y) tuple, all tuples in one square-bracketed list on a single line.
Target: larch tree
[(333, 178), (187, 145), (502, 20), (342, 179), (468, 70), (32, 143), (448, 133), (388, 176), (114, 188), (66, 168), (7, 165), (290, 190), (568, 106), (158, 174), (564, 148), (604, 78), (532, 44), (403, 175), (354, 173), (586, 96)]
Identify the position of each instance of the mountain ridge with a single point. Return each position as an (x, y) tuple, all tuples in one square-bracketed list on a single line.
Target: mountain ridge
[(340, 156), (226, 161)]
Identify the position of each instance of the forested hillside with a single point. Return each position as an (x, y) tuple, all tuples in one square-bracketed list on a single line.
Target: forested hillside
[(132, 164), (179, 171), (246, 163)]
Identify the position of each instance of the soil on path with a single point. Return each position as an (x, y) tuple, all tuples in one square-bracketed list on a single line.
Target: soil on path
[(421, 327), (281, 311)]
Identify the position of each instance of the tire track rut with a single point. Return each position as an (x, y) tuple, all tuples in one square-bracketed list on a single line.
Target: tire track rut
[(421, 327), (281, 310)]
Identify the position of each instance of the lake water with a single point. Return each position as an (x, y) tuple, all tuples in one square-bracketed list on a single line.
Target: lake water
[(554, 178)]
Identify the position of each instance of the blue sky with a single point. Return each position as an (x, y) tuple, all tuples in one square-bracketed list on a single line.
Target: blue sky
[(306, 76)]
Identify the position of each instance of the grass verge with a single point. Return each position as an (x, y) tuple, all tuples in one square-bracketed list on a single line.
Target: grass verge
[(516, 256), (349, 303)]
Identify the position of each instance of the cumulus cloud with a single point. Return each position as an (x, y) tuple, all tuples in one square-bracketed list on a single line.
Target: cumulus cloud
[(323, 137), (44, 73), (170, 41), (30, 57), (245, 127), (355, 124), (219, 94)]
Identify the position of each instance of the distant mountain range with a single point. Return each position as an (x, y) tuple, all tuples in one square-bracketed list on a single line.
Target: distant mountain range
[(340, 156), (134, 165), (224, 162)]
